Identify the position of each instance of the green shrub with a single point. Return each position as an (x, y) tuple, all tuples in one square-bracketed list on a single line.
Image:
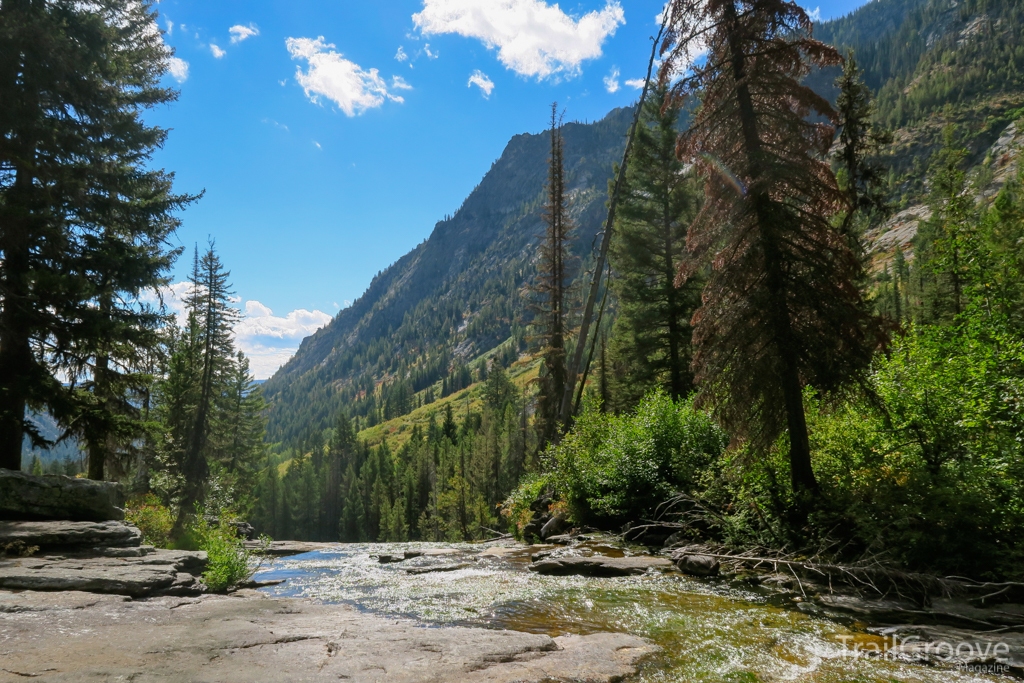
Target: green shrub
[(611, 469), (931, 473), (516, 507), (229, 560), (152, 518)]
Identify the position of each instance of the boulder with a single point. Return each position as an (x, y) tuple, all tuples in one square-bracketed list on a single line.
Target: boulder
[(553, 527), (390, 559), (24, 496), (698, 565), (599, 565), (70, 535)]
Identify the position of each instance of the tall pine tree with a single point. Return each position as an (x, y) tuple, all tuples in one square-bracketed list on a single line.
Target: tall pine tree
[(782, 308), (652, 333), (550, 287), (83, 221)]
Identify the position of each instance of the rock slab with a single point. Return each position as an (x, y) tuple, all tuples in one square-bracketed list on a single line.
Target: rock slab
[(24, 496), (599, 565), (68, 535), (158, 572), (252, 638)]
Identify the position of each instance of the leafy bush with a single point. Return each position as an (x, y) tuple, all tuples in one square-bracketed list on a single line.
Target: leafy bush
[(152, 518), (931, 473), (229, 560), (516, 507), (611, 469)]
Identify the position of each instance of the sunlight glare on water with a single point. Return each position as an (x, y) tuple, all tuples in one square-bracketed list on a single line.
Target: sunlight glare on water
[(708, 631)]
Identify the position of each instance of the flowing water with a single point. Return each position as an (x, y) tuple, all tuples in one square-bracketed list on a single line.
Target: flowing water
[(709, 631)]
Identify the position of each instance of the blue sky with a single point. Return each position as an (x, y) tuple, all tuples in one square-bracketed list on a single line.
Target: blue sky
[(331, 137)]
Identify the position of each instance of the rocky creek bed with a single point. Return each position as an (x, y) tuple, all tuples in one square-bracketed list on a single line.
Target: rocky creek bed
[(87, 600)]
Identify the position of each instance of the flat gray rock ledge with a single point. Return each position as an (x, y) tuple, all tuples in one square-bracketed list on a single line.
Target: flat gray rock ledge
[(599, 565), (250, 638), (164, 572), (24, 496), (65, 534)]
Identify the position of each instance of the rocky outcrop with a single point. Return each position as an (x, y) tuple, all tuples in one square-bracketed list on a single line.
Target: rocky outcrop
[(164, 572), (599, 565), (97, 557), (23, 497), (60, 534), (251, 638)]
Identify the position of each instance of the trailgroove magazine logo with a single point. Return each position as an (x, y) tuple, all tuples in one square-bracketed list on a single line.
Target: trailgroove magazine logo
[(973, 657)]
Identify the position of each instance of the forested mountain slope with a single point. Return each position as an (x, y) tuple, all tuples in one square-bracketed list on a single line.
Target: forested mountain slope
[(456, 295), (414, 335), (933, 62)]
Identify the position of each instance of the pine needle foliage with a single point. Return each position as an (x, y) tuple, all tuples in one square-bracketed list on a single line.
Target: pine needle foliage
[(651, 340), (550, 289), (781, 309), (84, 220)]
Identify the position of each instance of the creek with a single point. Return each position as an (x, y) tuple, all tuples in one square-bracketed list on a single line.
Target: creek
[(709, 631)]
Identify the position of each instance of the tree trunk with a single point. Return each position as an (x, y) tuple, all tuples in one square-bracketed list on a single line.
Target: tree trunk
[(15, 327), (804, 483)]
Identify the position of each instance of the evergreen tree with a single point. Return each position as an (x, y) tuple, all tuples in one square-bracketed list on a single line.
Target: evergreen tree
[(83, 220), (652, 333), (861, 177), (550, 287), (948, 241), (782, 308)]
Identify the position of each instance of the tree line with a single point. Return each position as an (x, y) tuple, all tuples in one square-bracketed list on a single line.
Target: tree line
[(86, 227)]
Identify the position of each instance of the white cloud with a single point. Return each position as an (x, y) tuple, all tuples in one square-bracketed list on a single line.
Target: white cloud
[(268, 340), (400, 55), (178, 68), (611, 81), (170, 26), (276, 124), (532, 37), (480, 80), (216, 51), (399, 83), (330, 75), (317, 144), (240, 33), (427, 51), (637, 83), (815, 14)]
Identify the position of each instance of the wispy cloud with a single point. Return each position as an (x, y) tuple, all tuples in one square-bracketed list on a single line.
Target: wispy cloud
[(401, 56), (611, 81), (480, 80), (637, 83), (178, 68), (169, 25), (268, 340), (399, 83), (216, 51), (340, 80), (532, 38), (240, 33)]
